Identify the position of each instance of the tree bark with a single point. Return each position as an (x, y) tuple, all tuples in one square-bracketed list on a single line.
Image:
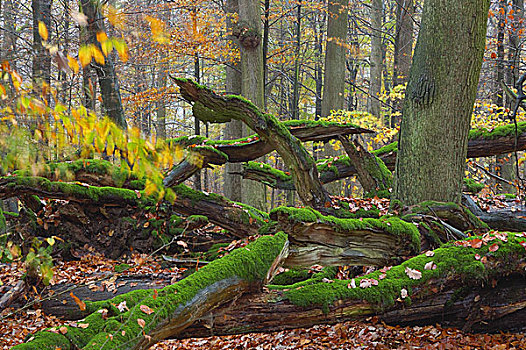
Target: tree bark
[(233, 186), (403, 47), (439, 101)]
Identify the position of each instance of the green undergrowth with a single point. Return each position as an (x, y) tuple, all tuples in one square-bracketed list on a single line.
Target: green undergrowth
[(393, 225), (450, 260), (121, 329)]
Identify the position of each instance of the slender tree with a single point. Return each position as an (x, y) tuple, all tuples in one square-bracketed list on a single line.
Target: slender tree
[(41, 58), (439, 101), (376, 58)]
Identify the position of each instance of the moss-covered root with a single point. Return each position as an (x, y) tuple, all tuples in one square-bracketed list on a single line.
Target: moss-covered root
[(138, 319)]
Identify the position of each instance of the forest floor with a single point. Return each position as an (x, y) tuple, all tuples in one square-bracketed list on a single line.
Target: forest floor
[(17, 323)]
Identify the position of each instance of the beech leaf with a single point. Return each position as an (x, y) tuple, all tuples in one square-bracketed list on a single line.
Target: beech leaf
[(413, 274)]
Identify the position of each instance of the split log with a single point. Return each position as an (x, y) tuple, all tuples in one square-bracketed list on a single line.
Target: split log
[(139, 319), (485, 295), (326, 240), (269, 129), (12, 294)]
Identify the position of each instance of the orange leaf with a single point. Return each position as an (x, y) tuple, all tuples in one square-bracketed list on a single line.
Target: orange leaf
[(141, 322), (80, 303)]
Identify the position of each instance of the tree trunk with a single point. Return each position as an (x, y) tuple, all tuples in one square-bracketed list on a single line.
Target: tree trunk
[(375, 60), (41, 58), (335, 69), (108, 82), (252, 84), (233, 129), (439, 101)]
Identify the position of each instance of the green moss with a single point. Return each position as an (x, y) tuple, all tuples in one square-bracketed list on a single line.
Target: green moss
[(291, 276), (121, 268), (197, 219), (500, 131), (93, 193), (506, 195), (472, 186), (45, 340), (449, 259), (392, 147), (328, 272), (390, 224)]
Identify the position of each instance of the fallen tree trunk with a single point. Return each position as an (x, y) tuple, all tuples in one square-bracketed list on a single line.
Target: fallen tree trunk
[(60, 303), (240, 219), (485, 295), (505, 220), (139, 319), (329, 241)]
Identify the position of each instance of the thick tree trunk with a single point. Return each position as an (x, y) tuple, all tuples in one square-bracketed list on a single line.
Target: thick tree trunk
[(108, 82), (439, 101), (252, 84), (335, 69), (233, 129)]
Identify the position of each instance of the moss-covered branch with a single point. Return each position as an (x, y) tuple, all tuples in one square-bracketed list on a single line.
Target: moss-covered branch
[(326, 240), (371, 170), (139, 319), (270, 130)]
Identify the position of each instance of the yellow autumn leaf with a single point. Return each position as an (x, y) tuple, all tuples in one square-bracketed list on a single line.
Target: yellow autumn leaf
[(42, 30), (121, 48), (85, 55), (73, 64), (102, 37), (97, 54)]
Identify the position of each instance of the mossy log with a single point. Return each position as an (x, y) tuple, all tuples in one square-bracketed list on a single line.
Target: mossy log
[(270, 130), (326, 240), (147, 317), (504, 219), (116, 218), (473, 289)]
